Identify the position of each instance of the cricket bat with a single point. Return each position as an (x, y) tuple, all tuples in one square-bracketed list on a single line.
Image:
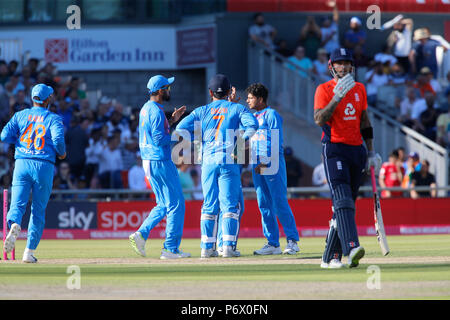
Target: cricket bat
[(379, 225)]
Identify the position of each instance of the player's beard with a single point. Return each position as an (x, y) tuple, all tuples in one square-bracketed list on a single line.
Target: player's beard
[(166, 96)]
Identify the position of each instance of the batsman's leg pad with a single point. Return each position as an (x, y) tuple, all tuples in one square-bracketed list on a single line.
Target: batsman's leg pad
[(333, 249), (344, 207)]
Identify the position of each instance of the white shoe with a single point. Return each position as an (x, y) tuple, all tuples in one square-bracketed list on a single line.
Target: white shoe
[(208, 253), (138, 243), (166, 254), (355, 255), (333, 264), (291, 247), (267, 249), (10, 241), (228, 252), (28, 256)]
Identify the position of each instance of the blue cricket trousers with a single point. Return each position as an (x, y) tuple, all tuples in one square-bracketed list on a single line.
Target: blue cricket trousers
[(271, 194), (221, 193), (165, 183), (35, 176)]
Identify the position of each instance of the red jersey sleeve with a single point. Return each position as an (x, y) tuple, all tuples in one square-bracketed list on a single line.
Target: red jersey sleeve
[(321, 97)]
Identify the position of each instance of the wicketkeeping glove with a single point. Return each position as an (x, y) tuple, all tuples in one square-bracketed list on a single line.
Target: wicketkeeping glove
[(373, 159), (343, 86)]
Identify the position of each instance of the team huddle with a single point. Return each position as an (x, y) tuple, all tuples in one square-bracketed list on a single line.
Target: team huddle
[(230, 136)]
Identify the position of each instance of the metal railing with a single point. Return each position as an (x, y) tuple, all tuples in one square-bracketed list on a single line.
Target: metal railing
[(292, 87), (293, 192), (390, 134)]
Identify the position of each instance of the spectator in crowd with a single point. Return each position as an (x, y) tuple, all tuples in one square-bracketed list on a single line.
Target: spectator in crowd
[(110, 165), (4, 106), (128, 149), (19, 102), (397, 76), (33, 63), (198, 191), (422, 83), (65, 112), (93, 152), (293, 168), (185, 178), (329, 29), (412, 164), (136, 175), (12, 67), (402, 158), (319, 179), (428, 120), (434, 83), (375, 78), (421, 105), (391, 175), (299, 59), (14, 85), (400, 40), (406, 107), (116, 122), (262, 32), (283, 49), (310, 38), (443, 126), (77, 139), (359, 57), (104, 110), (355, 36), (65, 180), (423, 53), (82, 184), (386, 58), (321, 66), (4, 73), (423, 177)]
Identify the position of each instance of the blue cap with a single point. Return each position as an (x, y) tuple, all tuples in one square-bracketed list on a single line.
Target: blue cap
[(341, 54), (219, 83), (157, 82), (42, 92)]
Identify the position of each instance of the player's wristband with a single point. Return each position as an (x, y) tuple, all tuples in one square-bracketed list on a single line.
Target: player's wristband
[(367, 133)]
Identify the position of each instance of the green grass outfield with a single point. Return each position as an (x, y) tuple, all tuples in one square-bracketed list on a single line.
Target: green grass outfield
[(418, 267)]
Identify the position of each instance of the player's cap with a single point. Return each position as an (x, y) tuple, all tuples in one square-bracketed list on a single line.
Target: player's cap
[(157, 82), (356, 20), (42, 92), (219, 83), (341, 54), (413, 155)]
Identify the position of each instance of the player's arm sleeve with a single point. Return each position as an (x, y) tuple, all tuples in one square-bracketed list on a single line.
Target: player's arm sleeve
[(187, 124), (57, 132), (11, 131), (249, 122), (364, 96), (320, 98), (159, 136)]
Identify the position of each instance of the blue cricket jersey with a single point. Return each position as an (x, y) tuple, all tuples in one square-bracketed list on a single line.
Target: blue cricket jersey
[(154, 132), (219, 121), (269, 120), (37, 134)]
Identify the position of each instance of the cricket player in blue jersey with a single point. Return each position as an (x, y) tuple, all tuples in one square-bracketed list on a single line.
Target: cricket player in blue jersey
[(269, 175), (154, 145), (38, 136), (220, 121)]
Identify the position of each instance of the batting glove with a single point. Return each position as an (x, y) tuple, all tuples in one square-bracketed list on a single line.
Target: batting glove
[(343, 86), (374, 160)]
